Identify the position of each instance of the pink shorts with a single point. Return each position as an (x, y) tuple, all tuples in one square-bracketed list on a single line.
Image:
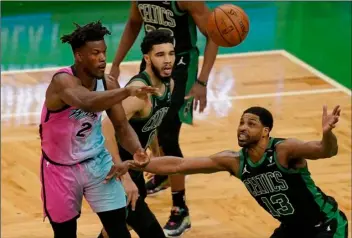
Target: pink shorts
[(63, 188)]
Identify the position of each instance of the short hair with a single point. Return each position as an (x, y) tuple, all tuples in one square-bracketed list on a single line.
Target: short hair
[(93, 31), (155, 37), (265, 117)]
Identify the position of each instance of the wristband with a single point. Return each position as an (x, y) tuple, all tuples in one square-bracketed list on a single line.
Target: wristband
[(204, 84)]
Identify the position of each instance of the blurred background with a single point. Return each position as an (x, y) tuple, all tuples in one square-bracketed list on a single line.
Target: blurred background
[(319, 33)]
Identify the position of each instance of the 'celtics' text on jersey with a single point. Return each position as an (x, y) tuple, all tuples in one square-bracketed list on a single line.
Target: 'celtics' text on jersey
[(168, 16), (289, 195)]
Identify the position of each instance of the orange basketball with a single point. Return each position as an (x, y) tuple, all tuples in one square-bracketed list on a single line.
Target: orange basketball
[(228, 25)]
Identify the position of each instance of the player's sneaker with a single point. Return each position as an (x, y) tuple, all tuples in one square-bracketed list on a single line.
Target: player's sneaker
[(157, 184), (179, 222)]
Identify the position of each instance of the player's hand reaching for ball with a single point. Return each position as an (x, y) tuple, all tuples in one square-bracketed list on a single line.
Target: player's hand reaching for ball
[(329, 120), (140, 158)]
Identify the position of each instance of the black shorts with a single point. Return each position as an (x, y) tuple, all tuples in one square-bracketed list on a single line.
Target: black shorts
[(335, 228)]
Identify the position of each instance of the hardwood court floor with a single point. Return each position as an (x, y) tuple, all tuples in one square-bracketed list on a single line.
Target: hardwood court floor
[(220, 205)]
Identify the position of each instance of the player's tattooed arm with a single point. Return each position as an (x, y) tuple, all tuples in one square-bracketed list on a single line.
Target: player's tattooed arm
[(222, 161), (67, 89), (325, 148)]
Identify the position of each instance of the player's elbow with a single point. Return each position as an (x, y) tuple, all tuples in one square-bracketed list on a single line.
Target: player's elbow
[(88, 106), (328, 153), (333, 152)]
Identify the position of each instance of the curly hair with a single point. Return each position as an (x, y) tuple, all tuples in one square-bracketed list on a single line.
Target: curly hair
[(93, 31), (155, 37)]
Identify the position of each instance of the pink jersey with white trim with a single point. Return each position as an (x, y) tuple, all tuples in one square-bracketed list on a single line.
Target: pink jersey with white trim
[(71, 135)]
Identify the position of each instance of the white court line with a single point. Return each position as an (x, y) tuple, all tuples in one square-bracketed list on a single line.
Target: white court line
[(240, 97), (137, 62), (316, 72)]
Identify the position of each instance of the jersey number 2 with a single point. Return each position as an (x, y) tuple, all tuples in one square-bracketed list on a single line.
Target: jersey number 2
[(85, 127), (285, 209)]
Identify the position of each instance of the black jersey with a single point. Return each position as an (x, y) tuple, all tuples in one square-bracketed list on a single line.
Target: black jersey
[(146, 128), (289, 195), (167, 15)]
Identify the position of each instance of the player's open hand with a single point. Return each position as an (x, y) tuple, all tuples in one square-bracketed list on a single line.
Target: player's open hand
[(140, 158), (199, 93), (131, 190), (329, 120), (142, 92), (117, 170)]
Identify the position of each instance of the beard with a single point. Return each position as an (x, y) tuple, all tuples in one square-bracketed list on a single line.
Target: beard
[(96, 75), (158, 75), (249, 142)]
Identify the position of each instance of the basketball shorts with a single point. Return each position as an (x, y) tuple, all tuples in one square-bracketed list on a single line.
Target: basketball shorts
[(63, 188), (184, 74), (335, 228)]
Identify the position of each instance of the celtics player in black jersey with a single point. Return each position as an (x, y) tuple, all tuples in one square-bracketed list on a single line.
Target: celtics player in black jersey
[(275, 172), (145, 117), (181, 19)]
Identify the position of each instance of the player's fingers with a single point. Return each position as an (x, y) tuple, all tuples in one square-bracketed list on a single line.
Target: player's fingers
[(129, 197), (325, 109), (202, 104), (134, 201), (336, 110), (188, 96), (336, 119), (195, 103), (110, 174)]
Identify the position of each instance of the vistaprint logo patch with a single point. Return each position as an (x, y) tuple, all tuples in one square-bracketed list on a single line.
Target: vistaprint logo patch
[(78, 114)]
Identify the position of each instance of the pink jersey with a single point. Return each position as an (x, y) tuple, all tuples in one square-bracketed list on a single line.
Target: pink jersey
[(71, 135)]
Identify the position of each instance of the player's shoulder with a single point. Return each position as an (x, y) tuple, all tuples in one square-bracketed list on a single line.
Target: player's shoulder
[(231, 160), (139, 80), (64, 76), (284, 143)]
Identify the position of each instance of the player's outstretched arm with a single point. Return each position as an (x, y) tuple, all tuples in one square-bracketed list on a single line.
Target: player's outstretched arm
[(222, 161), (325, 148), (70, 91), (132, 29)]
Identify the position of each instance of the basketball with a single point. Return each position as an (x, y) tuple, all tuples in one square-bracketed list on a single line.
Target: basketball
[(228, 25)]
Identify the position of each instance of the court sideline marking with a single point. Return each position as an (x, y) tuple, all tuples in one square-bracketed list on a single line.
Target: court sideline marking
[(284, 53), (316, 72), (134, 62), (338, 86)]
